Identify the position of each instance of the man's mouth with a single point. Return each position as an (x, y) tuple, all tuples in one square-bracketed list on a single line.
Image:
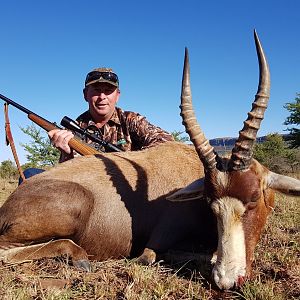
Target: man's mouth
[(100, 105)]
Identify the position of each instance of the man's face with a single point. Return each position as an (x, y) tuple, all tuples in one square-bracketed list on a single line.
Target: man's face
[(102, 99)]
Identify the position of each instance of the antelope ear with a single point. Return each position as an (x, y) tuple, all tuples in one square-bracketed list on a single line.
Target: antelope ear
[(284, 184), (191, 192)]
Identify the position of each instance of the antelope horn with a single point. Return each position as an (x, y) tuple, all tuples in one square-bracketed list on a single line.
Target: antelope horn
[(204, 149), (243, 150)]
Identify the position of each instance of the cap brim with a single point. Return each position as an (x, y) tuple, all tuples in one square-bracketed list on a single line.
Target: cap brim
[(103, 80)]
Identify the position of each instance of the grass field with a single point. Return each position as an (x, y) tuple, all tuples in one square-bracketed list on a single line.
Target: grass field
[(276, 270)]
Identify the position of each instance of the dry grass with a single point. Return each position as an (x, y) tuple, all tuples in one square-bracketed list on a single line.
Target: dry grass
[(6, 188), (277, 268), (276, 271)]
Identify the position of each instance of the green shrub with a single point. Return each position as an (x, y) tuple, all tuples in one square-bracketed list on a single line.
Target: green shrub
[(275, 154), (8, 170)]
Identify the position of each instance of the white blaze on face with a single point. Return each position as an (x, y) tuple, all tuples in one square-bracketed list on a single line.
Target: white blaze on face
[(230, 267)]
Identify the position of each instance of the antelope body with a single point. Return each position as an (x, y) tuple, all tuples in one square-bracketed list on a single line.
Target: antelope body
[(115, 205), (109, 208)]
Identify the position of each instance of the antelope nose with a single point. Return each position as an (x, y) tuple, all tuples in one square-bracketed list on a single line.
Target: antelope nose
[(225, 283), (240, 281)]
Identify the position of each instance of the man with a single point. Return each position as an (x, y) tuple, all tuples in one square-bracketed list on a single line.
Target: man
[(127, 130)]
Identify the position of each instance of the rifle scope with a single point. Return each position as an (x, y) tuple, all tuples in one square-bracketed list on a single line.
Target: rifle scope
[(72, 125)]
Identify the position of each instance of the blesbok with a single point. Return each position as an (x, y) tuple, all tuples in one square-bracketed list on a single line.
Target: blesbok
[(114, 205)]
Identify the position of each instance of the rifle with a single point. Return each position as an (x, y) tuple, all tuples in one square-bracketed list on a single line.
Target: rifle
[(75, 143), (72, 125)]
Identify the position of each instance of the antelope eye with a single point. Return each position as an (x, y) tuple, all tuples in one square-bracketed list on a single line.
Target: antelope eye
[(251, 205), (252, 198)]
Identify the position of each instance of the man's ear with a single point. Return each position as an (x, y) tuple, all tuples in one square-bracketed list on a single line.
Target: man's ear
[(119, 93), (84, 93)]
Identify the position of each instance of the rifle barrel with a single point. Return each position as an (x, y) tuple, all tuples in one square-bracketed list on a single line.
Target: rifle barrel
[(17, 105), (31, 115)]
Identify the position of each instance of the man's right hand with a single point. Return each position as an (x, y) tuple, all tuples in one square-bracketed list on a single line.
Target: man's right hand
[(60, 139)]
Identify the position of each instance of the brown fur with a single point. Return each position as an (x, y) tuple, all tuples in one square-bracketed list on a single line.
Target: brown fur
[(258, 209), (111, 205)]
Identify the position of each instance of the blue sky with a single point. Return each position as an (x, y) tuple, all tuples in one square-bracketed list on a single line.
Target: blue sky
[(47, 47)]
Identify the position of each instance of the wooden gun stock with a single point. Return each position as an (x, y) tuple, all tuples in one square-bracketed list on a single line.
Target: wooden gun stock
[(75, 143)]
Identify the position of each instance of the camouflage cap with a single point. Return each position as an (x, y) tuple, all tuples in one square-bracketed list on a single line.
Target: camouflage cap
[(102, 75)]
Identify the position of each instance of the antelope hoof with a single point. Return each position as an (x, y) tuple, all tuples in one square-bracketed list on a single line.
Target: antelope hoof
[(147, 258), (83, 264)]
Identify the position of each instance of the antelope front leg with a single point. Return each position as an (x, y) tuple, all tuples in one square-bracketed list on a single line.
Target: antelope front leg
[(49, 249)]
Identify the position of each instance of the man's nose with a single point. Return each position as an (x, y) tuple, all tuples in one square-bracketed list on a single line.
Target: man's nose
[(102, 95)]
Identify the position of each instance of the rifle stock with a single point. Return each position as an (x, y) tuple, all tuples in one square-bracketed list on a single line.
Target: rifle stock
[(75, 143)]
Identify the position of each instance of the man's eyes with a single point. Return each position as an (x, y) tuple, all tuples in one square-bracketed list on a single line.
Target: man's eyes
[(105, 91)]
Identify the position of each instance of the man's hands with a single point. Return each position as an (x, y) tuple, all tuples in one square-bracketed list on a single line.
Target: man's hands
[(60, 139)]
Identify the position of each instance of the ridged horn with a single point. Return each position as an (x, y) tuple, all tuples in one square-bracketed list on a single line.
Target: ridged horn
[(243, 150), (204, 149)]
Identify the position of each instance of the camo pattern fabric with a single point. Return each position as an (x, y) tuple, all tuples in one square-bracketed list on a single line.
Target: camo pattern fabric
[(127, 130)]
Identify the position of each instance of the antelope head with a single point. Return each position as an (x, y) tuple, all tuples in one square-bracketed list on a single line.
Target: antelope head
[(239, 189)]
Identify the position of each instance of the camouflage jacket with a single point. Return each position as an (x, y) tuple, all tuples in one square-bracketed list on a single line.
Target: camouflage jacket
[(127, 130)]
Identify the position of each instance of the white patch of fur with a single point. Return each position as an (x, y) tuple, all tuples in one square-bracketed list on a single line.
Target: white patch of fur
[(231, 254), (222, 179)]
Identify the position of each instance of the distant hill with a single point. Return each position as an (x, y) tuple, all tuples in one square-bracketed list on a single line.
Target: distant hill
[(225, 144)]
